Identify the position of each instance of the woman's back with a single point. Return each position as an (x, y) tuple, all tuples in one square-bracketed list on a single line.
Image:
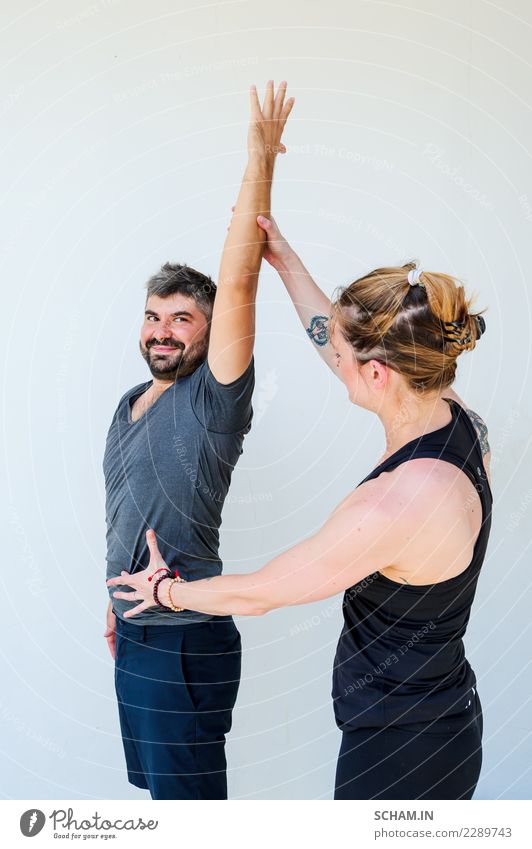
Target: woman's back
[(442, 503), (400, 656)]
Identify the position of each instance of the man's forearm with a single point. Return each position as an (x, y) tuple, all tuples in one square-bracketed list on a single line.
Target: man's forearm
[(233, 320), (244, 244)]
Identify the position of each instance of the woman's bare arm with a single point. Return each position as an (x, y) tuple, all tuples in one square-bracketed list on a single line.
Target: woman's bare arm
[(356, 541), (312, 305)]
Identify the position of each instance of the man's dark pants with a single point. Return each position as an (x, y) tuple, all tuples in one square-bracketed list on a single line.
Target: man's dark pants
[(176, 687)]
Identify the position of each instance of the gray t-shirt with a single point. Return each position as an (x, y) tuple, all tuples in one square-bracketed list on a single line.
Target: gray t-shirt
[(171, 471)]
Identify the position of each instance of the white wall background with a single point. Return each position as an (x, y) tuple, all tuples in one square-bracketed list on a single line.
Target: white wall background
[(123, 135)]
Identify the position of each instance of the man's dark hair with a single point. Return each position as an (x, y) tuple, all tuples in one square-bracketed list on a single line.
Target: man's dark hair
[(174, 278)]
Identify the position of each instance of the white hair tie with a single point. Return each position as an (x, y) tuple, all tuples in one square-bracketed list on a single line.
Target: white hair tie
[(414, 275)]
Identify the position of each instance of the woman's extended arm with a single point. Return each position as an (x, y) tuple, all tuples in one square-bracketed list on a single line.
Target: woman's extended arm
[(312, 305), (356, 541)]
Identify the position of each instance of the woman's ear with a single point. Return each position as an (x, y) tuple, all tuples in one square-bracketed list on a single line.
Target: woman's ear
[(377, 373)]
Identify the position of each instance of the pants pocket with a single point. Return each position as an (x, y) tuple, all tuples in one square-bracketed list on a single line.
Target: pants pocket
[(211, 659)]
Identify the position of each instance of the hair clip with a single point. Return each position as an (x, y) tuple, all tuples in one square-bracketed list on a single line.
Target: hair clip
[(481, 325), (454, 329), (413, 277)]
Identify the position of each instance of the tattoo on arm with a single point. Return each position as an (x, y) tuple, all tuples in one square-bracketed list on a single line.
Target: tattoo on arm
[(318, 329), (482, 431)]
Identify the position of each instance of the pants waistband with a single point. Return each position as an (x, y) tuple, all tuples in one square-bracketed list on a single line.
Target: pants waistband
[(143, 632)]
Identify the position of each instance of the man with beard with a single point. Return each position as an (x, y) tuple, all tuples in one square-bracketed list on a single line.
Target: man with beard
[(170, 452)]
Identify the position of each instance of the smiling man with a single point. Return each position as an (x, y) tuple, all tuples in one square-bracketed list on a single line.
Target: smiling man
[(170, 453)]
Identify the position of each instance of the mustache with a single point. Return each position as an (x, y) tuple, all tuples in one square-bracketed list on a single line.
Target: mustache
[(170, 343)]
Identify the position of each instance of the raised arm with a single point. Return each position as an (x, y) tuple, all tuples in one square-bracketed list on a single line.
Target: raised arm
[(233, 322), (312, 305)]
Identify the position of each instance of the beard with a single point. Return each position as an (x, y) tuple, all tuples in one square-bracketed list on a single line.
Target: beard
[(177, 363)]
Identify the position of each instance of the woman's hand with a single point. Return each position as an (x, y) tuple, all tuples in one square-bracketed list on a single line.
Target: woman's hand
[(266, 124), (276, 250), (141, 582)]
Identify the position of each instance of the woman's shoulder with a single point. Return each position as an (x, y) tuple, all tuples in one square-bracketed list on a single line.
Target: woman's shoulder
[(407, 490)]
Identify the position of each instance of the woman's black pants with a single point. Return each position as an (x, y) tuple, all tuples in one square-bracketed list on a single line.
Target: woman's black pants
[(430, 760)]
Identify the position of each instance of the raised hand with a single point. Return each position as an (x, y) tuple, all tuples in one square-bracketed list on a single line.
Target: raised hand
[(267, 123)]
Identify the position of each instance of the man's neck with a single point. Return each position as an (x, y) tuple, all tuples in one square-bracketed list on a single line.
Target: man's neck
[(149, 397), (159, 386)]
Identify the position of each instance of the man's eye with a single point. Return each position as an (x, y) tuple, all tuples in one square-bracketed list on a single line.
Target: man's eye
[(179, 318), (151, 318)]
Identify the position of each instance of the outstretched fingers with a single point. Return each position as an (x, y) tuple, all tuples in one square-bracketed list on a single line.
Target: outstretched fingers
[(287, 108), (279, 99), (254, 104), (138, 609), (122, 580), (156, 558), (267, 108)]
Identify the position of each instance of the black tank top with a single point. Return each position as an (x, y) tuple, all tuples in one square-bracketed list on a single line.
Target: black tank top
[(400, 658)]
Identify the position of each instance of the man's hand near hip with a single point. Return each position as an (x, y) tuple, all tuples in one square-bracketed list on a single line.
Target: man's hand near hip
[(110, 631)]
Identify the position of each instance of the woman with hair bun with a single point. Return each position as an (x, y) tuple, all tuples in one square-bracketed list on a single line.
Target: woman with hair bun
[(406, 546)]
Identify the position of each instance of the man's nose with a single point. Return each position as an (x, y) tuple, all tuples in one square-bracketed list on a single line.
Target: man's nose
[(163, 330)]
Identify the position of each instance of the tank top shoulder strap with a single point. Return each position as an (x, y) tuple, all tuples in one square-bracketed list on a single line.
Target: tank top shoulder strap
[(456, 442)]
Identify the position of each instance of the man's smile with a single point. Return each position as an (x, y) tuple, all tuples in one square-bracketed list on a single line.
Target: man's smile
[(164, 349)]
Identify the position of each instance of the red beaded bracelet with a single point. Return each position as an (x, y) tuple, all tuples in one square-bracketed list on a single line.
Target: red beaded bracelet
[(168, 574), (161, 569)]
